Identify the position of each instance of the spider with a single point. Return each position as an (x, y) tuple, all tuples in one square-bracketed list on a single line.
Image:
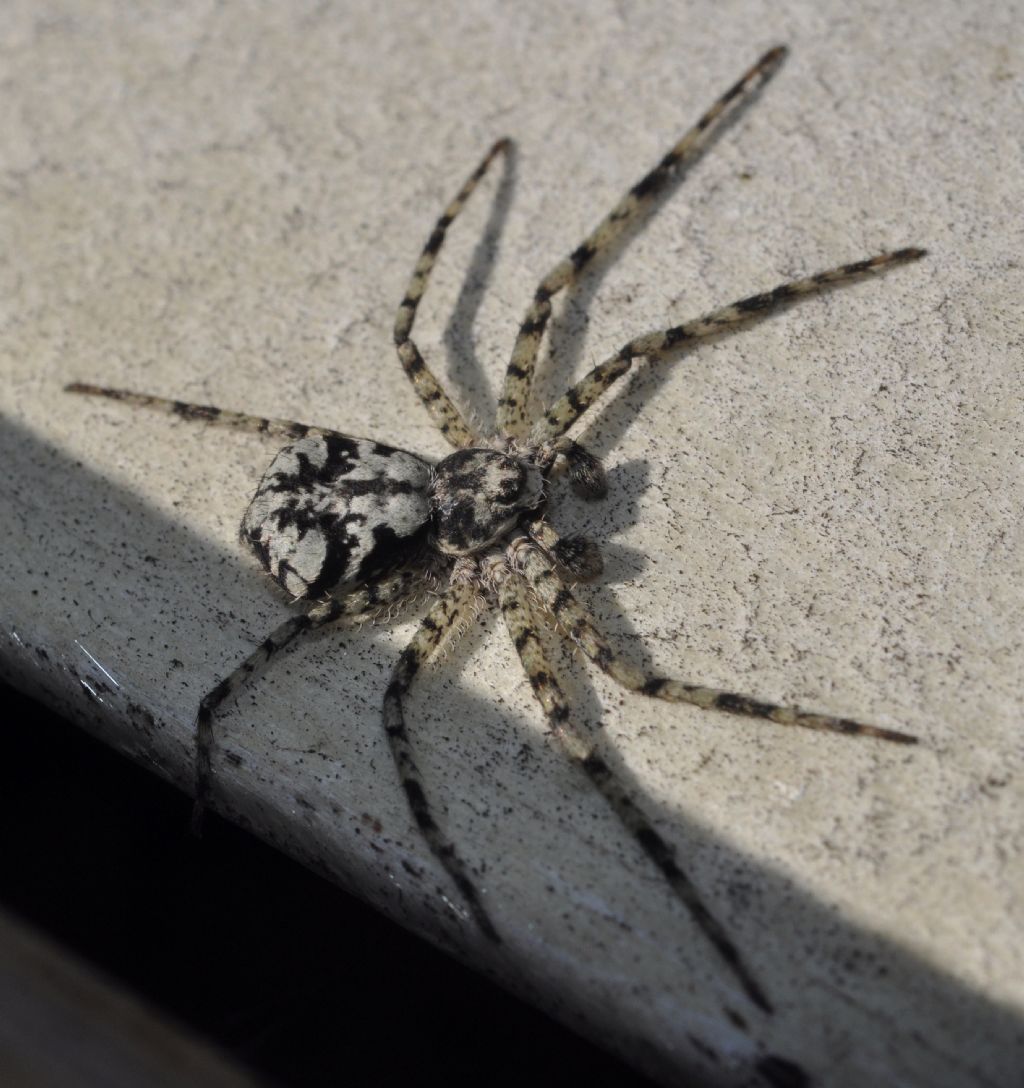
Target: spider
[(352, 527)]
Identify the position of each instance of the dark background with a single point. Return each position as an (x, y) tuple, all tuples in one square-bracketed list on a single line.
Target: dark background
[(286, 973)]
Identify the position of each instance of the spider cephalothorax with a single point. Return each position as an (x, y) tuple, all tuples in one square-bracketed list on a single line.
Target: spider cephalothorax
[(480, 495), (355, 527)]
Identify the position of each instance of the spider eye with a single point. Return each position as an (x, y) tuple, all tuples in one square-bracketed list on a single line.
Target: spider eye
[(509, 482)]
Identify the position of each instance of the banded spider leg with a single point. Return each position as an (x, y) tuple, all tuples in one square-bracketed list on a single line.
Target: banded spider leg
[(361, 604), (513, 407), (350, 526)]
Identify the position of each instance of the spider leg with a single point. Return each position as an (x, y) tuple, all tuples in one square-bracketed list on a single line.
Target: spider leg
[(586, 473), (565, 411), (513, 410), (362, 602), (456, 606), (522, 621), (440, 406), (204, 413), (579, 625), (576, 554)]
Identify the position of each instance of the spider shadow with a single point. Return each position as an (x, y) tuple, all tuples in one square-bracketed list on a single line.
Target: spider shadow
[(565, 339), (596, 520), (94, 623), (461, 352), (838, 968), (605, 424), (627, 481), (599, 519)]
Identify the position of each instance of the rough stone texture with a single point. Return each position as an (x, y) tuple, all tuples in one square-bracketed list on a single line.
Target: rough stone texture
[(222, 203)]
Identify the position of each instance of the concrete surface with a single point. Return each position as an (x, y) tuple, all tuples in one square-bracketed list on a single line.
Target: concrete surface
[(222, 203)]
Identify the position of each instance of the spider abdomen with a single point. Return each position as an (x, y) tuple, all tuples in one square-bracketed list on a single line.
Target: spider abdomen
[(333, 511), (478, 495)]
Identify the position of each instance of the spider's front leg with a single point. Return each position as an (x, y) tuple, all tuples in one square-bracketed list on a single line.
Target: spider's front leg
[(441, 407), (585, 472), (657, 345), (513, 408)]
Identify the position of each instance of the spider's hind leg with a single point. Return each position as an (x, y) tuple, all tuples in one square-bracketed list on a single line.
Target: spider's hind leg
[(362, 602), (522, 620), (320, 614), (202, 413), (448, 615)]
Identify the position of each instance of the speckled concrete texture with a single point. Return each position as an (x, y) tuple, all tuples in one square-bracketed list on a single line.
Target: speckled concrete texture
[(222, 203)]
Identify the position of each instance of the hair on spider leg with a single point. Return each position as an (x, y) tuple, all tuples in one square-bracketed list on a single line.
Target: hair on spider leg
[(586, 473), (577, 555), (358, 530), (580, 556)]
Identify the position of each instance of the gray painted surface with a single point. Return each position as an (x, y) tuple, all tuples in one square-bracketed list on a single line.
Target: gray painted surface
[(223, 204)]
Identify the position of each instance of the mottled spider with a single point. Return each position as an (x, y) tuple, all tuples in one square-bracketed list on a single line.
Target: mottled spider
[(353, 527)]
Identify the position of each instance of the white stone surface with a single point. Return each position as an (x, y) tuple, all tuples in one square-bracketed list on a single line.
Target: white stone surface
[(222, 203)]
